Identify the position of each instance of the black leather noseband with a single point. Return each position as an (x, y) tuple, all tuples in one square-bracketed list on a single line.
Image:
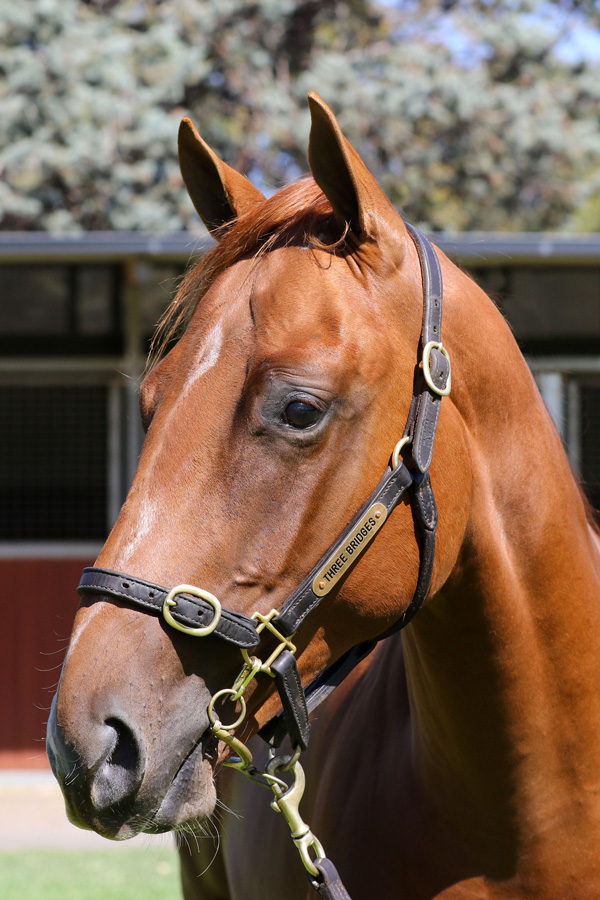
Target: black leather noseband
[(409, 476), (234, 627)]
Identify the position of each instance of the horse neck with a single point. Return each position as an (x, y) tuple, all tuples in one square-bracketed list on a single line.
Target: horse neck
[(503, 664)]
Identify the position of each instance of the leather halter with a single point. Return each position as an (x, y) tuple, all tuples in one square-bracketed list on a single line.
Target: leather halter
[(193, 613)]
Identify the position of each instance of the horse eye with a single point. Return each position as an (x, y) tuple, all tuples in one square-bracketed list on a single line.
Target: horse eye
[(299, 414)]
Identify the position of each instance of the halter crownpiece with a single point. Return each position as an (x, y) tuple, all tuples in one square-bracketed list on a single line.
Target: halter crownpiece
[(198, 613)]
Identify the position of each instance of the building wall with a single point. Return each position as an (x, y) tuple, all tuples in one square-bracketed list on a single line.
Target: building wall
[(38, 605)]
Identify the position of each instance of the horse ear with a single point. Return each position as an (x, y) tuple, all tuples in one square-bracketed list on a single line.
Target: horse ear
[(218, 192), (341, 174)]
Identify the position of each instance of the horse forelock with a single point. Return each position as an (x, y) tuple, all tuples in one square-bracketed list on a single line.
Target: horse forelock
[(299, 214)]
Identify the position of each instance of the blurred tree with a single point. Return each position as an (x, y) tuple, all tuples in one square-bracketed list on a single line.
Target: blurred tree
[(472, 113)]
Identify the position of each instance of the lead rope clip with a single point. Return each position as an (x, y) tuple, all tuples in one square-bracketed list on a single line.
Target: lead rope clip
[(288, 803)]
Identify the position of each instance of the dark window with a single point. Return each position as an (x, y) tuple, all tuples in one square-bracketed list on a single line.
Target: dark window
[(53, 462), (95, 310), (60, 309), (160, 285), (555, 302), (34, 300), (590, 443), (550, 310)]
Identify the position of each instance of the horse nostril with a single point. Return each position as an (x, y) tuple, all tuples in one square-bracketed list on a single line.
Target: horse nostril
[(125, 752), (120, 774)]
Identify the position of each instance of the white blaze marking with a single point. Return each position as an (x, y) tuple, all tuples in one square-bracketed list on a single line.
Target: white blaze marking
[(207, 357), (150, 506), (93, 612), (147, 516)]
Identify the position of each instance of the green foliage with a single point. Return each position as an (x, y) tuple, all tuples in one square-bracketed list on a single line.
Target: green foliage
[(464, 109), (116, 874)]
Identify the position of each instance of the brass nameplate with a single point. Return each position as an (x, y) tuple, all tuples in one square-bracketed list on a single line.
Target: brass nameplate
[(360, 537)]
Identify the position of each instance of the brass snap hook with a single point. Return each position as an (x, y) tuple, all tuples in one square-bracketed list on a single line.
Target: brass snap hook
[(288, 803)]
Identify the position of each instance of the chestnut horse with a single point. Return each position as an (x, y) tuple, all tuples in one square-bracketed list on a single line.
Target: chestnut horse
[(461, 759)]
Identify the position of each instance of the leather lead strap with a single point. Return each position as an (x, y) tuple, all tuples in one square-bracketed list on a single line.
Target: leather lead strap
[(293, 700), (329, 886)]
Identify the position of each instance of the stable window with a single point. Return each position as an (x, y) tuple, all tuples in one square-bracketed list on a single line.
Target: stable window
[(551, 310), (60, 309), (54, 462), (589, 440), (573, 401)]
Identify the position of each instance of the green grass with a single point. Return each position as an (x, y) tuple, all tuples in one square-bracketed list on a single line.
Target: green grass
[(129, 874)]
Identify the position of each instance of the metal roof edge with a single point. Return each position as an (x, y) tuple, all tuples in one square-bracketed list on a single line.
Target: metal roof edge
[(486, 248), (100, 246), (475, 248)]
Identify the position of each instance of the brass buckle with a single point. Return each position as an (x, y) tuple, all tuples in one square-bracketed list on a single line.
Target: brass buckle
[(252, 661), (170, 602), (436, 345)]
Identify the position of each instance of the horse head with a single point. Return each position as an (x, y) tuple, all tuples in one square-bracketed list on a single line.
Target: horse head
[(267, 424)]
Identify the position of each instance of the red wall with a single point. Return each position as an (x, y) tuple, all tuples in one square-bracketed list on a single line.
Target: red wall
[(38, 606)]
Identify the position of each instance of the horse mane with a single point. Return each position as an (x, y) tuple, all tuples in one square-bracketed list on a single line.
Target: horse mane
[(299, 214)]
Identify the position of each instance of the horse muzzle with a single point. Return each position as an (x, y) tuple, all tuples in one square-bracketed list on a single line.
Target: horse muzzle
[(111, 785), (101, 780)]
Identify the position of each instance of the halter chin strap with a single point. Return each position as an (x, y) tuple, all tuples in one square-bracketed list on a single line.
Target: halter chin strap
[(196, 612)]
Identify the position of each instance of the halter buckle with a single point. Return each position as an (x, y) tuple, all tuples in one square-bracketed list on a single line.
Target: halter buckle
[(171, 602), (436, 345)]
